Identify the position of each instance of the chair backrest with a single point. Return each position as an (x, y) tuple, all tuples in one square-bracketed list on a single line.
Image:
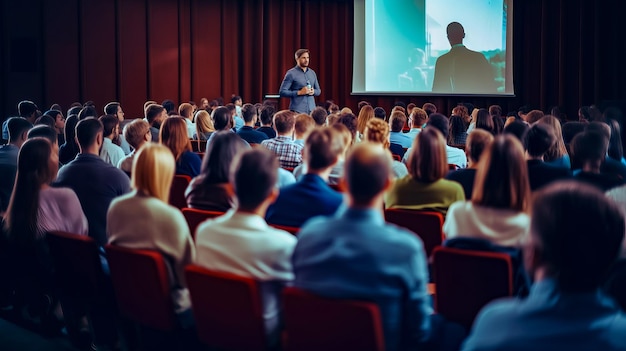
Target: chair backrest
[(428, 225), (177, 191), (287, 228), (316, 323), (142, 288), (227, 309), (466, 280), (195, 216), (77, 264)]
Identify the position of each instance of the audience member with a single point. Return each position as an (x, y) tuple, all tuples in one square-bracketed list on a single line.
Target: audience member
[(267, 117), (143, 219), (311, 196), (538, 140), (533, 116), (377, 131), (115, 109), (365, 114), (569, 255), (557, 154), (137, 133), (516, 128), (454, 155), (59, 124), (417, 120), (155, 116), (396, 124), (95, 182), (289, 153), (204, 125), (110, 152), (173, 134), (379, 112), (211, 189), (476, 143), (303, 126), (25, 109), (18, 132), (247, 132), (241, 242), (319, 116), (69, 149), (498, 210), (222, 121), (185, 110), (425, 187), (589, 150)]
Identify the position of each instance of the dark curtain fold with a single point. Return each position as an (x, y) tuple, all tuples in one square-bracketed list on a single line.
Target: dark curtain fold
[(566, 52)]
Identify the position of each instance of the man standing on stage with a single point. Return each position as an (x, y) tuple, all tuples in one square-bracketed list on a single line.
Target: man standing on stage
[(300, 84)]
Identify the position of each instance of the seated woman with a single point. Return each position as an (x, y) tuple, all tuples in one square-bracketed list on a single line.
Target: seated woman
[(34, 209), (211, 190), (557, 154), (143, 219), (377, 131), (204, 125), (474, 147), (425, 188), (498, 210), (173, 134), (137, 133)]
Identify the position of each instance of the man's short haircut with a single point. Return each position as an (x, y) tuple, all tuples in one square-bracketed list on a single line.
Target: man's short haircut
[(46, 120), (576, 234), (185, 109), (495, 110), (538, 139), (599, 127), (222, 118), (362, 103), (319, 115), (234, 99), (304, 124), (322, 148), (109, 122), (169, 106), (589, 146), (439, 121), (87, 130), (53, 113), (517, 128), (379, 112), (400, 104), (267, 114), (74, 111), (254, 176), (248, 111), (111, 108), (153, 111), (367, 170), (477, 142), (430, 108), (397, 120), (43, 131), (301, 52), (135, 132), (349, 120), (26, 108), (17, 126), (418, 117), (284, 121), (87, 111)]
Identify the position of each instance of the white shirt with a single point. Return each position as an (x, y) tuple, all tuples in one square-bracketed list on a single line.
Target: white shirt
[(499, 226), (244, 244), (191, 128), (111, 153)]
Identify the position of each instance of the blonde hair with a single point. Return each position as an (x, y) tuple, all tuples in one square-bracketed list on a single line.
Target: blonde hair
[(135, 132), (173, 134), (502, 176), (428, 161), (377, 131), (345, 110), (153, 171), (204, 123), (366, 114)]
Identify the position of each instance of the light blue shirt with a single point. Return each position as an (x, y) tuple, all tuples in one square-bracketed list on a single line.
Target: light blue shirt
[(295, 79)]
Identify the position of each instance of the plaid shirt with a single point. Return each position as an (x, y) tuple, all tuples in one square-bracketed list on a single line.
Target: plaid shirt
[(289, 153)]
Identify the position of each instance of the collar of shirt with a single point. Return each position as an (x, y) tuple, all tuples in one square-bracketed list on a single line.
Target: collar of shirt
[(363, 215)]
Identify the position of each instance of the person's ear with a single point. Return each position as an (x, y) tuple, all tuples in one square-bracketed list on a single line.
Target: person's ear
[(273, 195)]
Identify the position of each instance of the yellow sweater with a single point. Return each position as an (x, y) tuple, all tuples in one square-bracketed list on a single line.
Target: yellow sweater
[(411, 194)]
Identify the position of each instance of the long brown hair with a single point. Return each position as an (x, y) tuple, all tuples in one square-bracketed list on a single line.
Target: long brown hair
[(558, 149), (173, 134), (428, 161)]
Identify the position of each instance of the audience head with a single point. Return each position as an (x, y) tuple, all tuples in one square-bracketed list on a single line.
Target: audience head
[(267, 115), (254, 175), (397, 121), (89, 134), (418, 117), (185, 110), (502, 176), (495, 110), (74, 110), (173, 134), (616, 150), (367, 174), (155, 115), (249, 114), (439, 121), (221, 152), (204, 123), (476, 143), (539, 139), (379, 112), (377, 131), (45, 120), (461, 111), (365, 114), (236, 100), (533, 116), (589, 150), (322, 149), (303, 126), (137, 132), (115, 109), (43, 131), (484, 120), (58, 118), (457, 128), (349, 120), (222, 118), (319, 116), (344, 134), (571, 129), (111, 124), (575, 235), (146, 105), (87, 111), (361, 104), (153, 171), (18, 130), (169, 106), (284, 122), (516, 128), (28, 110), (430, 108), (427, 161), (558, 149), (70, 129)]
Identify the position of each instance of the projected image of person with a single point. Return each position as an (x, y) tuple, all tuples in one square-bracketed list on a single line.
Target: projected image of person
[(416, 77), (462, 70), (300, 84)]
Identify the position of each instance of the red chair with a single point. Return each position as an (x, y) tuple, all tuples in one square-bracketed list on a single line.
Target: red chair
[(142, 287), (177, 191), (287, 228), (195, 216), (466, 280), (315, 323), (426, 224), (227, 309)]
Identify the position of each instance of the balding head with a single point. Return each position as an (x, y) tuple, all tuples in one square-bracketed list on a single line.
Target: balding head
[(368, 173)]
